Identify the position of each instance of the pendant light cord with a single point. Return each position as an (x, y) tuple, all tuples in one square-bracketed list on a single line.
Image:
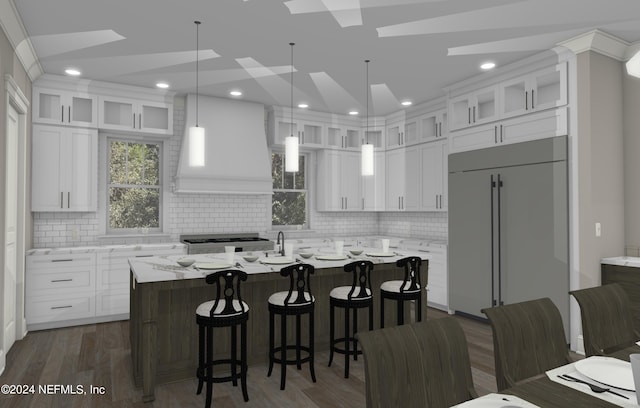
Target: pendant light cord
[(197, 67), (291, 81), (366, 132)]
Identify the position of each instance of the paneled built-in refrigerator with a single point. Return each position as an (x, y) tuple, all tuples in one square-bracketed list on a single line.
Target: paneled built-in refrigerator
[(508, 226)]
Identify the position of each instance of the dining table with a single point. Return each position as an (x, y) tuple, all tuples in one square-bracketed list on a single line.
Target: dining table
[(548, 391)]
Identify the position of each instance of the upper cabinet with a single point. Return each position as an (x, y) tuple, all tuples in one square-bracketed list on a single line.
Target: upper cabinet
[(132, 115), (344, 137), (543, 89), (433, 126), (309, 130), (473, 108), (60, 107)]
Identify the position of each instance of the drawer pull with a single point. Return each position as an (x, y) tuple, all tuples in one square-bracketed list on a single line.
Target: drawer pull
[(61, 260), (61, 307), (61, 280), (143, 256)]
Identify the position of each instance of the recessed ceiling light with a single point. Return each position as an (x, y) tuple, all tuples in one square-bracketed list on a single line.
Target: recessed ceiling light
[(406, 103), (488, 65), (303, 105), (353, 112), (235, 93), (72, 71), (162, 85)]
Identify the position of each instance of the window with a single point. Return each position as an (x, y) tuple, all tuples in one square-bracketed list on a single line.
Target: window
[(134, 188), (289, 203)]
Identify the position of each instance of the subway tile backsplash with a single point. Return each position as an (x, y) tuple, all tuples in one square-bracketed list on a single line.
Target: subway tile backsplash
[(220, 213)]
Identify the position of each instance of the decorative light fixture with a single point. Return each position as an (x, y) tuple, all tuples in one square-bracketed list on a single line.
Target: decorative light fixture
[(196, 133), (291, 142), (367, 148)]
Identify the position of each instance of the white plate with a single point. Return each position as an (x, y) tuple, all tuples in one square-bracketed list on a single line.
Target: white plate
[(334, 257), (496, 401), (380, 254), (276, 260), (213, 265), (607, 370)]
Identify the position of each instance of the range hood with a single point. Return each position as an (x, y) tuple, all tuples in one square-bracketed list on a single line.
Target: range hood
[(237, 159)]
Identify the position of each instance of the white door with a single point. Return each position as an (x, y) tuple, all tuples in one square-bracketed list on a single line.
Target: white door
[(10, 233)]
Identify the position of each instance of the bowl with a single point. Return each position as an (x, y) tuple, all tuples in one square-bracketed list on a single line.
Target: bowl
[(186, 262), (306, 255), (250, 258), (355, 251)]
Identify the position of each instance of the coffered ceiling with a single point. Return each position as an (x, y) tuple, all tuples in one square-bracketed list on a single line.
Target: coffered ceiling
[(416, 47)]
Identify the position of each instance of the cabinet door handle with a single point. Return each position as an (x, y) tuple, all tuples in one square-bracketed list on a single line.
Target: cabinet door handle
[(62, 113), (474, 114), (134, 120), (143, 256), (526, 100), (61, 199), (68, 199), (363, 203), (532, 98), (501, 134), (399, 203), (436, 128), (61, 307), (436, 201), (469, 120), (495, 134), (139, 120), (61, 260), (61, 280), (69, 114), (440, 125), (441, 201)]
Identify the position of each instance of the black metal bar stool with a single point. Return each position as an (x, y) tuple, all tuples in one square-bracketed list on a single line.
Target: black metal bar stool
[(227, 310), (297, 301), (353, 297), (402, 290)]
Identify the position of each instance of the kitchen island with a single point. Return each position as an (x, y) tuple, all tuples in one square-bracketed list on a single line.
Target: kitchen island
[(164, 297)]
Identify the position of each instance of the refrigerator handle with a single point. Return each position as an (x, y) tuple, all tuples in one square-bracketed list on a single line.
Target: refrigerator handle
[(493, 295), (500, 302)]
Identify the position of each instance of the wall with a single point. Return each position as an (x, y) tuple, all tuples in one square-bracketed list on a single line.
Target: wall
[(220, 213), (631, 131), (600, 175)]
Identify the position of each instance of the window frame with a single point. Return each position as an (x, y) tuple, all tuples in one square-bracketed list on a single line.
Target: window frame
[(306, 190), (160, 186)]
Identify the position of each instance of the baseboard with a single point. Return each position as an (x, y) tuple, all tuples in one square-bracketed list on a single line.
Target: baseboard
[(77, 322)]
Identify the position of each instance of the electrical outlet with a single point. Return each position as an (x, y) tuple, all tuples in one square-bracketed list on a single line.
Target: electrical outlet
[(75, 234), (598, 229)]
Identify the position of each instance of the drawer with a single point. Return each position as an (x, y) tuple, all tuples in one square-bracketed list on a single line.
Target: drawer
[(45, 263), (42, 309), (63, 281)]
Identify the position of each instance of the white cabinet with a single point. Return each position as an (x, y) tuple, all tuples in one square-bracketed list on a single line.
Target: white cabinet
[(61, 107), (310, 132), (540, 90), (339, 181), (59, 287), (434, 176), (473, 108), (438, 279), (433, 126), (403, 132), (112, 278), (373, 187), (64, 169), (344, 137), (548, 123), (132, 115), (403, 179)]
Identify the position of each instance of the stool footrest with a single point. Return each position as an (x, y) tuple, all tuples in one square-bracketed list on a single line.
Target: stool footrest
[(201, 371), (340, 341), (294, 361)]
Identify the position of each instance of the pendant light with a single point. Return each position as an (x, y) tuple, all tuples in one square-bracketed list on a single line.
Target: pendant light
[(196, 133), (367, 148), (291, 142)]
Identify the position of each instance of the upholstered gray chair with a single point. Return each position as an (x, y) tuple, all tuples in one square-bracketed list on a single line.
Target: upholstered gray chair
[(528, 339), (424, 364)]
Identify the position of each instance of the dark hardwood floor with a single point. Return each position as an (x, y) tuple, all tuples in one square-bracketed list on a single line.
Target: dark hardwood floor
[(99, 355)]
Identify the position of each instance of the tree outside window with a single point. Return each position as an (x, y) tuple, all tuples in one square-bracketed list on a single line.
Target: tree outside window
[(134, 186), (289, 203)]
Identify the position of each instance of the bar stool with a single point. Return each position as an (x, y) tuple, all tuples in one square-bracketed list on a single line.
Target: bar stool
[(297, 302), (402, 290), (353, 297), (227, 310)]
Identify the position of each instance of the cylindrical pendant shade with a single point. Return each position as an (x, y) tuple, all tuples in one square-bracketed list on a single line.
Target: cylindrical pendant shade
[(196, 146), (367, 159), (291, 154)]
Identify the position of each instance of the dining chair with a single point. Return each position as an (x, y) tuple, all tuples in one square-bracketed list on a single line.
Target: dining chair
[(607, 320), (424, 364), (528, 339)]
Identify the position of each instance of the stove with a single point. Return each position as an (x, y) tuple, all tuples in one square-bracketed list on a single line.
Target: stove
[(212, 243)]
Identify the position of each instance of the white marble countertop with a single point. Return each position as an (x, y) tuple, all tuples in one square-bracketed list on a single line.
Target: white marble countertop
[(166, 268), (105, 248), (622, 261)]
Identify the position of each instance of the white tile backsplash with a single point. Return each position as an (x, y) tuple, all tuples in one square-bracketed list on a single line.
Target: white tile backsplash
[(220, 213)]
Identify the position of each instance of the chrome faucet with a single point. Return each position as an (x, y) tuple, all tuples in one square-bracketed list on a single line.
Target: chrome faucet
[(280, 233)]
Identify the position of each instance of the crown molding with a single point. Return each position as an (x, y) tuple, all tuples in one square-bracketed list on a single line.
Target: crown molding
[(600, 42), (13, 28)]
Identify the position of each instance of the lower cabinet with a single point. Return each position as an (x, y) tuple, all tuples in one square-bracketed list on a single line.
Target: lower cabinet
[(438, 279), (89, 286)]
